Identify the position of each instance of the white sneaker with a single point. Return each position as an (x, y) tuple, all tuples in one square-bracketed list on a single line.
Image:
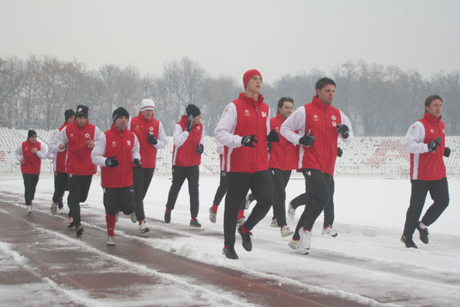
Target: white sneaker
[(295, 245), (117, 217), (274, 223), (328, 231), (212, 215), (29, 209), (285, 231), (240, 221), (111, 240), (143, 227), (305, 240), (53, 208), (133, 217), (61, 211), (291, 212), (248, 202)]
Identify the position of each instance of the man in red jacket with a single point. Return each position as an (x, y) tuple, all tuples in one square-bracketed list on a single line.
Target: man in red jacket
[(30, 153), (151, 136), (58, 156), (80, 137), (426, 141), (188, 147), (244, 129), (319, 125), (116, 152)]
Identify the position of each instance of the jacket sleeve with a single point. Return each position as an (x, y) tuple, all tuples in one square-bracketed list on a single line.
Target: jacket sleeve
[(202, 136), (220, 148), (135, 150), (18, 153), (225, 129), (413, 141), (180, 136), (268, 122), (296, 121), (98, 152), (346, 122), (53, 143), (97, 134), (162, 138), (61, 137), (42, 152)]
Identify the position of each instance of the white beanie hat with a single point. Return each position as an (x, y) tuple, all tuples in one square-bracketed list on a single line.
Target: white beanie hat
[(147, 104)]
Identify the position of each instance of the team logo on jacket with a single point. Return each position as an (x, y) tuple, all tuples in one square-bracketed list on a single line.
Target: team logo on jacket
[(444, 131), (151, 128), (247, 113), (432, 131), (137, 127), (264, 114), (333, 117), (26, 149), (87, 135), (198, 128), (114, 144), (71, 135), (315, 118), (128, 142)]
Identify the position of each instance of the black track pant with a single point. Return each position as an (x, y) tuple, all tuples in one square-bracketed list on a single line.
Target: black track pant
[(280, 180), (141, 181), (238, 186), (329, 215), (119, 199), (179, 174), (222, 189), (60, 181), (439, 192), (318, 198), (30, 183), (78, 192)]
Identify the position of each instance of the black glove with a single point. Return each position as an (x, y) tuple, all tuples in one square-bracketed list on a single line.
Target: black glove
[(137, 164), (249, 140), (343, 130), (200, 148), (307, 140), (269, 146), (447, 152), (434, 144), (111, 162), (339, 152), (189, 123), (152, 139), (273, 136)]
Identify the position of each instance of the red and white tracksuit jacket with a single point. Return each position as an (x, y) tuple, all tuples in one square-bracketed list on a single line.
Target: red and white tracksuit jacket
[(185, 143), (244, 116), (321, 119), (54, 153), (33, 161), (425, 164), (142, 128), (78, 160), (283, 155)]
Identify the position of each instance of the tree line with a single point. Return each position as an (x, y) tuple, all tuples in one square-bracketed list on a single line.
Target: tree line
[(378, 99)]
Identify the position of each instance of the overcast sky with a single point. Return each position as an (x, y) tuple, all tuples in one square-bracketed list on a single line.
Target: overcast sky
[(230, 37)]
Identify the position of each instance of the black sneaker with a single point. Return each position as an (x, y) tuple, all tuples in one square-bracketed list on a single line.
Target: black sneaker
[(79, 230), (246, 239), (408, 242), (167, 216), (195, 223), (229, 252), (423, 234)]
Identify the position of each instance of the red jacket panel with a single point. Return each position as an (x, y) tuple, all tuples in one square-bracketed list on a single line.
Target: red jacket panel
[(33, 162)]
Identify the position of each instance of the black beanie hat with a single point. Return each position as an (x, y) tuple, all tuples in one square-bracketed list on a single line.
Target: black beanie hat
[(192, 110), (31, 133), (82, 110), (119, 112), (68, 113)]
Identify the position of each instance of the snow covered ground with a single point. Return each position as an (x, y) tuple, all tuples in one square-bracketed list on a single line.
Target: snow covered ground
[(366, 263)]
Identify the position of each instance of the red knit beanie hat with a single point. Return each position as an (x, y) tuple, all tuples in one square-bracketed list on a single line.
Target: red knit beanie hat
[(249, 74)]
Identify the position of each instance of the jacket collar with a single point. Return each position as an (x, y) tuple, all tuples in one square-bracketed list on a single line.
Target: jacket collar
[(142, 118), (251, 101), (280, 117), (319, 103), (116, 130), (431, 118)]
